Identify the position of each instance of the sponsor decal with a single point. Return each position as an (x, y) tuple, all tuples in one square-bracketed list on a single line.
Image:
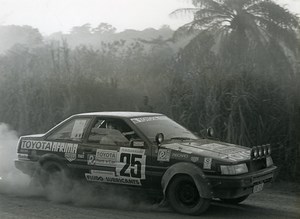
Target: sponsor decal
[(112, 179), (70, 156), (179, 156), (23, 157), (91, 159), (131, 163), (102, 173), (105, 157), (129, 166), (138, 144), (69, 149), (194, 159), (49, 146), (80, 156), (207, 163), (77, 131), (132, 150), (163, 155), (122, 180), (94, 178), (147, 119), (24, 151)]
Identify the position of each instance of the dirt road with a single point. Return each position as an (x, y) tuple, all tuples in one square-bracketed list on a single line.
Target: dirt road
[(277, 202)]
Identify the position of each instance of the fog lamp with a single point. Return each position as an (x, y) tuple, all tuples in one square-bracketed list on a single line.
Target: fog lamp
[(254, 152), (265, 150), (260, 151)]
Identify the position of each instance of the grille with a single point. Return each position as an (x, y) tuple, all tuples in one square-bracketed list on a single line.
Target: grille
[(256, 165)]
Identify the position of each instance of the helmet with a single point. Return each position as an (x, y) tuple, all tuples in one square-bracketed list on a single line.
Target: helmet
[(110, 125)]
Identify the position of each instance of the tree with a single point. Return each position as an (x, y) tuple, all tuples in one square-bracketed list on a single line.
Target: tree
[(82, 30), (25, 35), (238, 74), (103, 28), (257, 21)]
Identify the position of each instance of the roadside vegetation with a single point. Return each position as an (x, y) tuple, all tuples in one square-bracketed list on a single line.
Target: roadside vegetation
[(235, 68)]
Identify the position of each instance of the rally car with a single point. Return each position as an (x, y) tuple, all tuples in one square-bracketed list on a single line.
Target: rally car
[(151, 152)]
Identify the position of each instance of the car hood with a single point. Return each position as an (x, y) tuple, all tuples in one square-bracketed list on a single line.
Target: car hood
[(209, 148)]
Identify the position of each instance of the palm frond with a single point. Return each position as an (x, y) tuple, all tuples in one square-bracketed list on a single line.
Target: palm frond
[(208, 3), (184, 11), (284, 34), (250, 3), (211, 12), (273, 12), (279, 15)]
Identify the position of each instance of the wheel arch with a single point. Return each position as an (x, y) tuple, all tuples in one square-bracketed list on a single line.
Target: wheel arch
[(191, 170), (55, 159), (52, 165)]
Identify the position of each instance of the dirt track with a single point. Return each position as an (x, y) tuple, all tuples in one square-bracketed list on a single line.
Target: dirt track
[(277, 202)]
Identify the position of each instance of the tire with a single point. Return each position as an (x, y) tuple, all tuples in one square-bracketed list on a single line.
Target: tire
[(52, 174), (183, 196), (234, 201)]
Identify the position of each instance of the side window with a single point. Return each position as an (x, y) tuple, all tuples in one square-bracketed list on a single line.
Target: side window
[(111, 132), (73, 130)]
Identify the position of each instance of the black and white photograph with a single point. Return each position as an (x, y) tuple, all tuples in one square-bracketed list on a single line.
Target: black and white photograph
[(166, 109)]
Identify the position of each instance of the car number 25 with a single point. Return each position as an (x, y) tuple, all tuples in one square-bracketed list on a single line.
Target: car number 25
[(131, 163)]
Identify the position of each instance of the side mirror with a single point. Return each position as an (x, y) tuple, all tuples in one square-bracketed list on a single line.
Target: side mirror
[(159, 138)]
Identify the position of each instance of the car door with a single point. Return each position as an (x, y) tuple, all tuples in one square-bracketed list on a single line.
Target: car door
[(111, 157)]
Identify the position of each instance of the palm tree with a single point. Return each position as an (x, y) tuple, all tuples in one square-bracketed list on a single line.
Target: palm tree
[(238, 74), (258, 21), (253, 44)]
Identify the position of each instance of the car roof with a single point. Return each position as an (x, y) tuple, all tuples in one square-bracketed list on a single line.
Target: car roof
[(123, 114)]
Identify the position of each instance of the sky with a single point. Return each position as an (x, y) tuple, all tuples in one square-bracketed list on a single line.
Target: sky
[(51, 16)]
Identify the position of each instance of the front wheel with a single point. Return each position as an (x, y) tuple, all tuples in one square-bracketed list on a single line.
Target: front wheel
[(184, 197)]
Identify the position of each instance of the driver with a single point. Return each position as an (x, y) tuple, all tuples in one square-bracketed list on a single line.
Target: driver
[(112, 125)]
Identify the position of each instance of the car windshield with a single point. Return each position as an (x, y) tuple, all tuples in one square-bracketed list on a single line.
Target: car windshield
[(152, 125)]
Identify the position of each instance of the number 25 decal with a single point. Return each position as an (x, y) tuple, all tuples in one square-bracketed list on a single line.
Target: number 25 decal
[(131, 163)]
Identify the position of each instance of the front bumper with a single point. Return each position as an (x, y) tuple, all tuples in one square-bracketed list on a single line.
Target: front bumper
[(26, 166), (228, 187)]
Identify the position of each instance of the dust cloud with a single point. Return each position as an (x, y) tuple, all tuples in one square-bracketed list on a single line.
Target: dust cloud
[(11, 179), (79, 193)]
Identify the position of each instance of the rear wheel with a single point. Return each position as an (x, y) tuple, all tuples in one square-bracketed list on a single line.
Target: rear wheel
[(235, 201), (184, 197), (55, 175)]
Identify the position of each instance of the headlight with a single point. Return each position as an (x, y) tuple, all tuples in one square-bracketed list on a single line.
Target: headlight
[(234, 169)]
